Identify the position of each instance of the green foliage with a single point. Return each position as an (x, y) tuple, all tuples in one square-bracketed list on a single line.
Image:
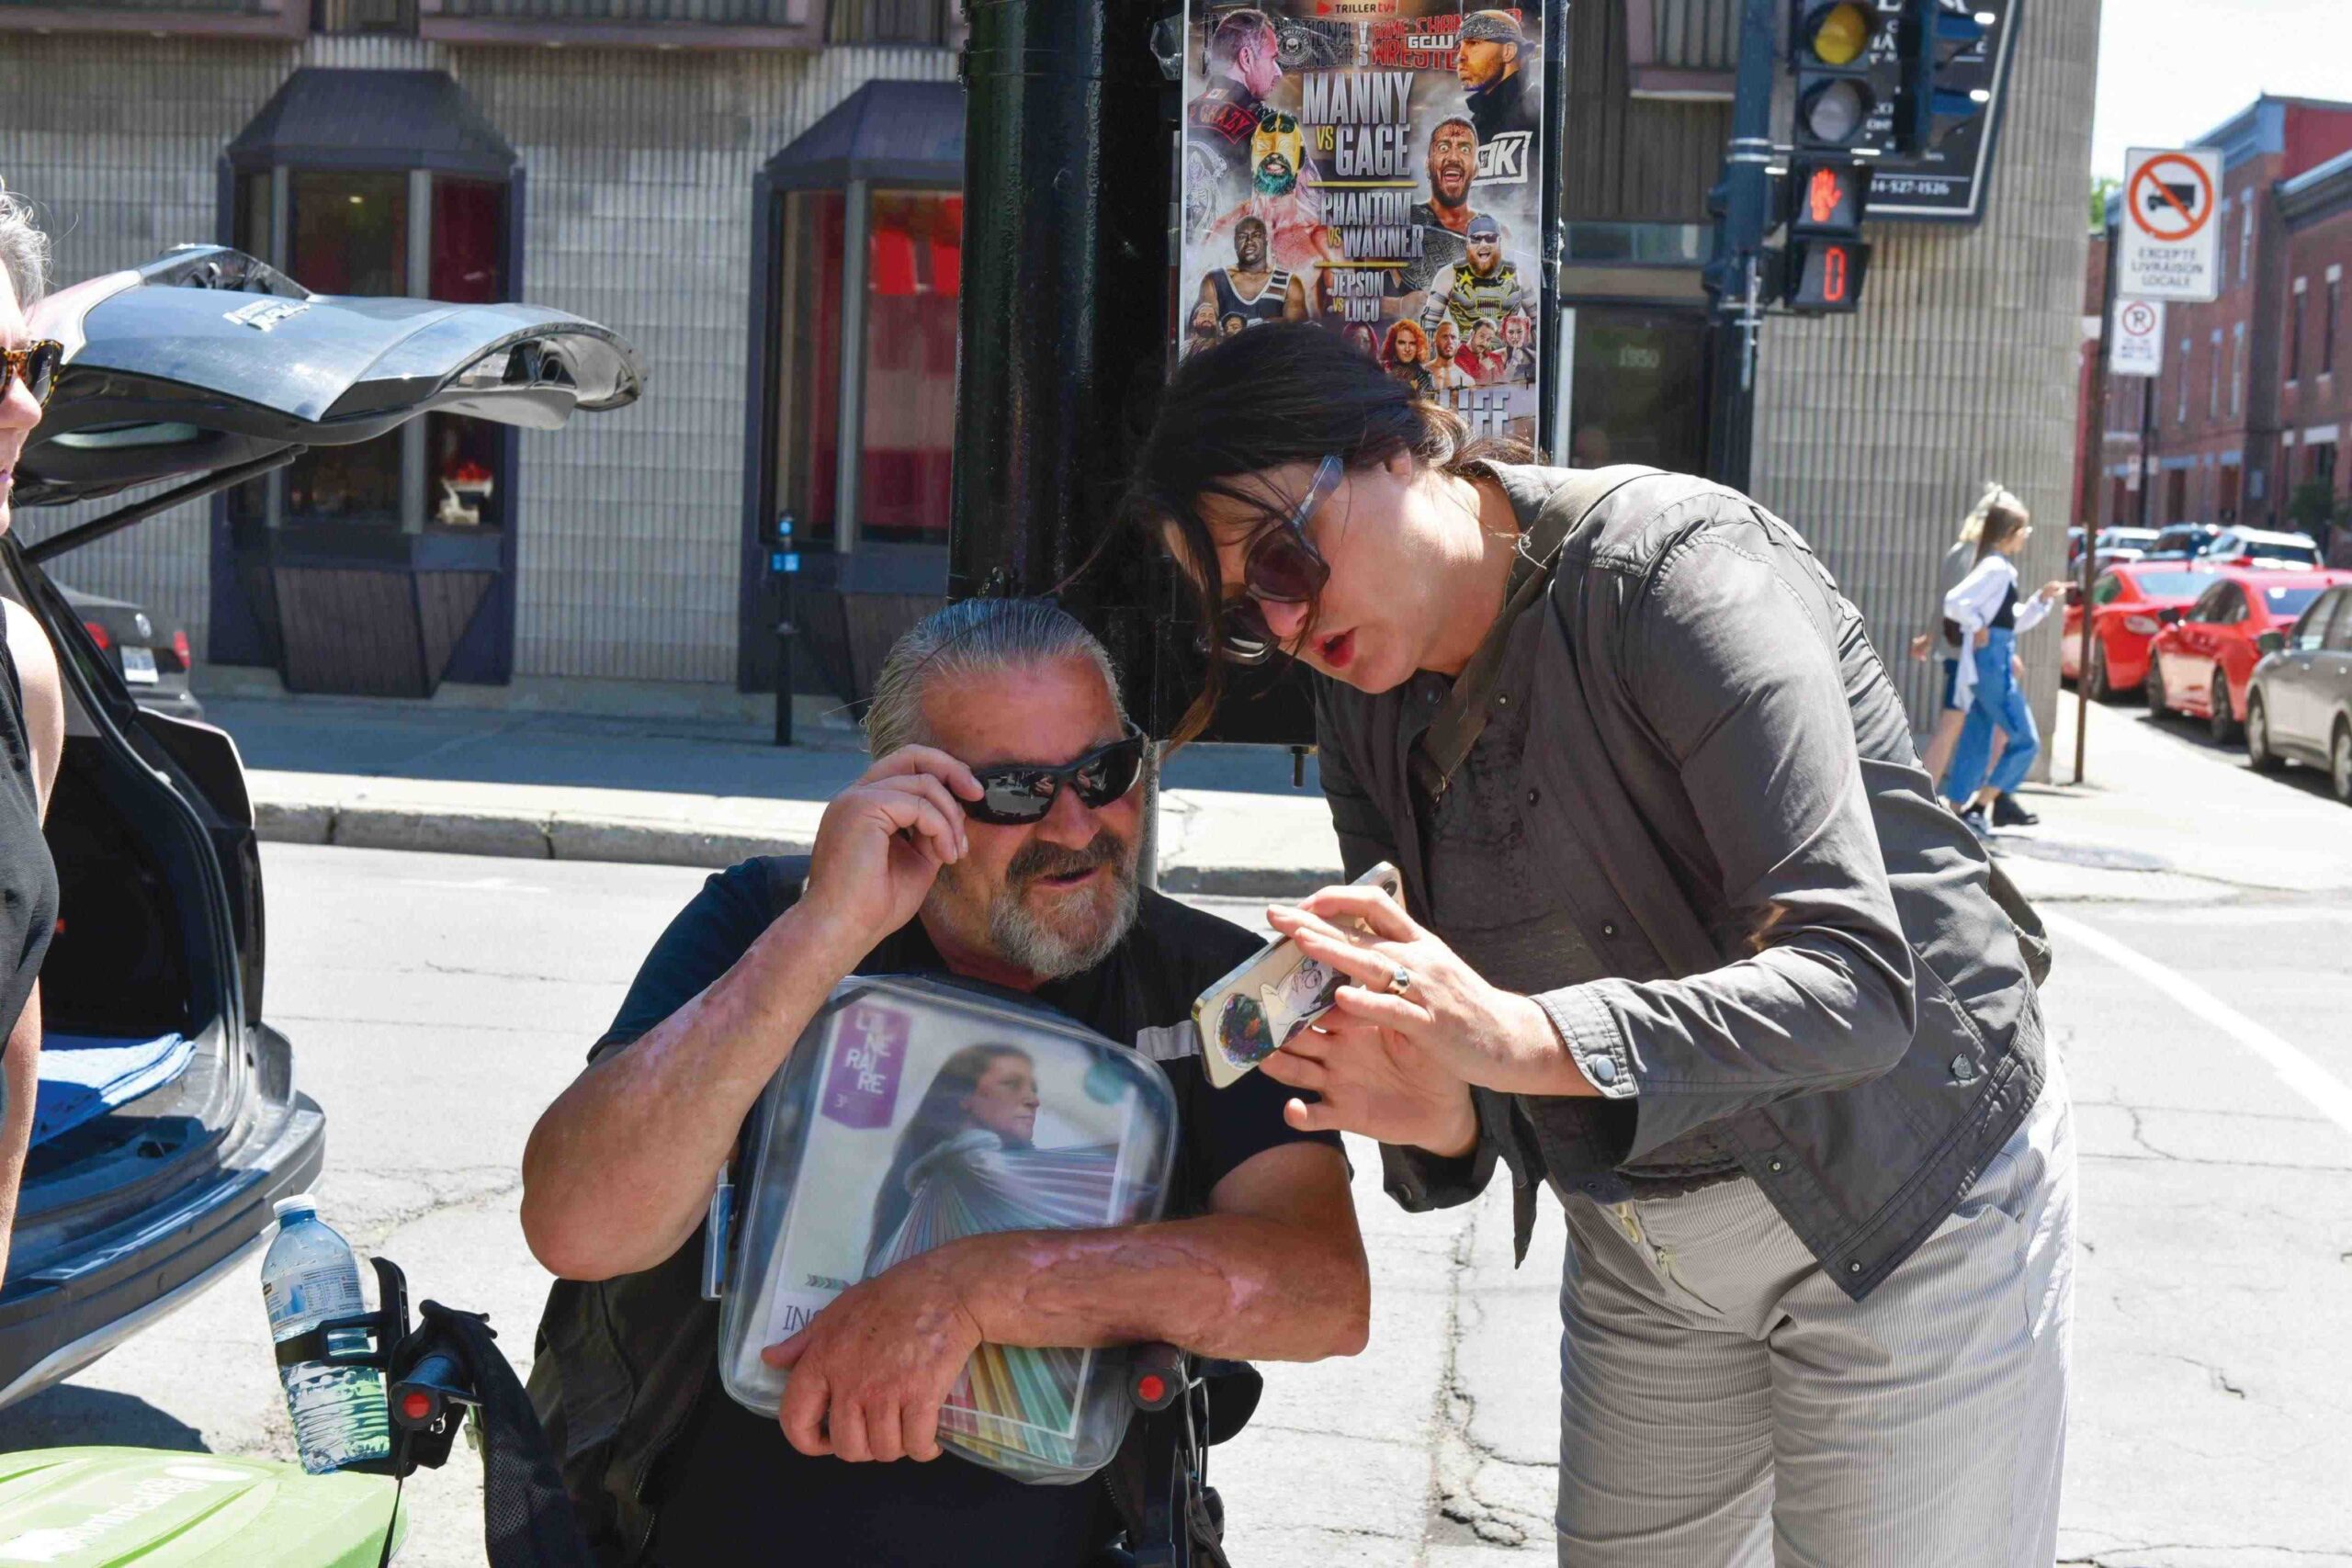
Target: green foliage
[(2102, 188), (2314, 505)]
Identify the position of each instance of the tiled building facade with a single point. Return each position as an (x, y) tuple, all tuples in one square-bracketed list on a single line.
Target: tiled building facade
[(643, 155), (2212, 438)]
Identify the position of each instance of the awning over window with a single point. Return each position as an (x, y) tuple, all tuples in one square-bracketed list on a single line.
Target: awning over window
[(889, 132), (373, 119)]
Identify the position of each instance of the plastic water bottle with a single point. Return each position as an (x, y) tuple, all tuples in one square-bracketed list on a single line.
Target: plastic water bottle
[(308, 1276)]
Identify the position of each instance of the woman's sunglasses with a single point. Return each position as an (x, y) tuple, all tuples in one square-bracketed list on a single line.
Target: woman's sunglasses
[(1014, 795), (1282, 568), (35, 364)]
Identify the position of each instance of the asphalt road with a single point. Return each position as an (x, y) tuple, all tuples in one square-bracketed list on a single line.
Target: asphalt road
[(436, 1003)]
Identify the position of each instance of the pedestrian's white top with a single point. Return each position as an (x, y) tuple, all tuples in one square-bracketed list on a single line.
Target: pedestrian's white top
[(1974, 604)]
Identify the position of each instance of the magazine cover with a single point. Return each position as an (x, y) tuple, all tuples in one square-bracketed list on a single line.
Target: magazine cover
[(1373, 166), (924, 1125)]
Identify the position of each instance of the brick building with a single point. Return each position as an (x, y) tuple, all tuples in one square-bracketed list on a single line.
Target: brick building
[(2218, 426), (2315, 382)]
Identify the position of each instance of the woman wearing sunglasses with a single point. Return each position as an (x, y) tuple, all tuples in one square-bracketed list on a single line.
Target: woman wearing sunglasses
[(32, 718), (1688, 941)]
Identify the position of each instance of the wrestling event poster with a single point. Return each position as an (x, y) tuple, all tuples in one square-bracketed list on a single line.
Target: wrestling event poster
[(1375, 166)]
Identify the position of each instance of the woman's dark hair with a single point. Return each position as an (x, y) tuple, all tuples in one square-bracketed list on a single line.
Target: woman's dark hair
[(1285, 393), (2003, 521), (939, 1118)]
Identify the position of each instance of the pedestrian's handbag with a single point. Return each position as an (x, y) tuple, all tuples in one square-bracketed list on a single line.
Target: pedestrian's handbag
[(915, 1112)]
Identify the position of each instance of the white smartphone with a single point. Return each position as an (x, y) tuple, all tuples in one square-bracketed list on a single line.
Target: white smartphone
[(1256, 1009)]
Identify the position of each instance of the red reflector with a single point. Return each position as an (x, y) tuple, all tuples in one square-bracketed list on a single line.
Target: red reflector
[(99, 635), (179, 645), (1151, 1388), (416, 1406)]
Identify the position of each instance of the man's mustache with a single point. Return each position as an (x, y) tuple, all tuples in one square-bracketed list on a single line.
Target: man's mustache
[(1040, 859)]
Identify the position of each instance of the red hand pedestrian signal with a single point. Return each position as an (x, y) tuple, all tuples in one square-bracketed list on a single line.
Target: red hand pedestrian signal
[(1824, 194)]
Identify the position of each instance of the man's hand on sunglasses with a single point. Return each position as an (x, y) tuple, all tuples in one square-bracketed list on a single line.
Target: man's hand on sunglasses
[(882, 839)]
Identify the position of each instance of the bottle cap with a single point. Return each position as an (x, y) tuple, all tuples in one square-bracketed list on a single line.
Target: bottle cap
[(299, 1203)]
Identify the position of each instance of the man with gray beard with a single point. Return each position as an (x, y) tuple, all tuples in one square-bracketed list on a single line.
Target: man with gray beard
[(995, 838)]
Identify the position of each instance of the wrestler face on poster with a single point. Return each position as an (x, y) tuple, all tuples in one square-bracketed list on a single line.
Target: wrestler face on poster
[(1446, 342), (1483, 337), (1249, 246), (1515, 329), (1275, 152), (1246, 48), (1452, 162), (1485, 247), (1482, 61)]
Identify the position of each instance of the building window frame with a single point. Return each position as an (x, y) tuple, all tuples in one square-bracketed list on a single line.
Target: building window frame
[(2180, 392), (2329, 305), (2237, 369), (2213, 382), (2295, 332)]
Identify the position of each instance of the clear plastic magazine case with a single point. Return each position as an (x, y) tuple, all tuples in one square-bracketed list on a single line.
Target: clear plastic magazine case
[(913, 1112)]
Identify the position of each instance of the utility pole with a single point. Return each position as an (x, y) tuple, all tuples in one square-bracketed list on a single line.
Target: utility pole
[(2100, 383), (1735, 273), (1068, 117)]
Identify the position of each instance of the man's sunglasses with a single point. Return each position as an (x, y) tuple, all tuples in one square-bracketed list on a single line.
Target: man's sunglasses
[(36, 364), (1282, 568), (1014, 795)]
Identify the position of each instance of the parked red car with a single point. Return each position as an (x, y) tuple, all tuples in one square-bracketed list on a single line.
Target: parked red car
[(2126, 600), (2200, 663)]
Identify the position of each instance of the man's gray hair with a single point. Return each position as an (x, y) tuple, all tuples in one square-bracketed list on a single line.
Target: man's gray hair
[(973, 637), (24, 249)]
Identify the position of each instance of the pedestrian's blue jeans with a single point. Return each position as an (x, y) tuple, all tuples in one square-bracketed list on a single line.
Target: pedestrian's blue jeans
[(1996, 702)]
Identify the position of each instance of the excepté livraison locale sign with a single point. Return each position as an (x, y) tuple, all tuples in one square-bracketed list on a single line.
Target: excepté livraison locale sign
[(1375, 166), (2168, 244)]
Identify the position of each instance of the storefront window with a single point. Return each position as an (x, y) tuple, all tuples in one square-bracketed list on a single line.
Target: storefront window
[(350, 233), (808, 360), (1638, 394), (912, 282)]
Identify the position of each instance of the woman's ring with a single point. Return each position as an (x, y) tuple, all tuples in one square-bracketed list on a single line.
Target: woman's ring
[(1400, 982)]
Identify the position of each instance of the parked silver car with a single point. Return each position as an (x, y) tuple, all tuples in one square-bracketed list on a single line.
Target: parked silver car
[(2299, 704)]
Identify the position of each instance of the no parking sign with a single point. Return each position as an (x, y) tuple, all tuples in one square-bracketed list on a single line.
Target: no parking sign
[(2138, 348), (2170, 246)]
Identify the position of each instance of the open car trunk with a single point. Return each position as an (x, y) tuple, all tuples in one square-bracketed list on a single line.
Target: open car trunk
[(168, 1119)]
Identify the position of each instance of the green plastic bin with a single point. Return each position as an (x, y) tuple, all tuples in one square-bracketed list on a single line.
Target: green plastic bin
[(99, 1508)]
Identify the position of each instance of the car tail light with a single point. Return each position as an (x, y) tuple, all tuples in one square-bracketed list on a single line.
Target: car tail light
[(2144, 625), (100, 634), (179, 647)]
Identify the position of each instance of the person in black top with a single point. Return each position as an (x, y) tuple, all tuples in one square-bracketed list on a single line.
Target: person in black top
[(1488, 68), (32, 724), (973, 711)]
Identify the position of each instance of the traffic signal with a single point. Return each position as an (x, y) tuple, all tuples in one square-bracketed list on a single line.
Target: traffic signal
[(1825, 200), (1823, 276), (1944, 46), (1840, 51)]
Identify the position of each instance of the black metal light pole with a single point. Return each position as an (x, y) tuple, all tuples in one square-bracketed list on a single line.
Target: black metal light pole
[(1066, 273), (1735, 273)]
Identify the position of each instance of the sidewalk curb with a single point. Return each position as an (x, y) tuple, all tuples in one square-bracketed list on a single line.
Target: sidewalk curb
[(560, 836), (514, 835)]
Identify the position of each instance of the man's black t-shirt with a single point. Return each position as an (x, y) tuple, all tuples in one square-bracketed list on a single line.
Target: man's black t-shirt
[(733, 1490)]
